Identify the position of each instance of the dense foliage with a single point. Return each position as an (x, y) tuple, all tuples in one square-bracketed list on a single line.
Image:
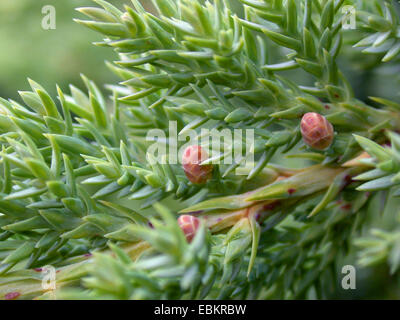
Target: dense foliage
[(81, 192)]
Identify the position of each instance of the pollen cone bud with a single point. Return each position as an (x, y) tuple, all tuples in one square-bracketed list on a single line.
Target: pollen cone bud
[(189, 226), (192, 158), (317, 132)]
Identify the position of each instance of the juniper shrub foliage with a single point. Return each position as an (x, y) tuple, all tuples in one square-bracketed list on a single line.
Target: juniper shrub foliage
[(80, 192)]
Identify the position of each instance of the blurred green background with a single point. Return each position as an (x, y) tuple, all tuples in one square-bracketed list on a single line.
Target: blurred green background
[(49, 57)]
